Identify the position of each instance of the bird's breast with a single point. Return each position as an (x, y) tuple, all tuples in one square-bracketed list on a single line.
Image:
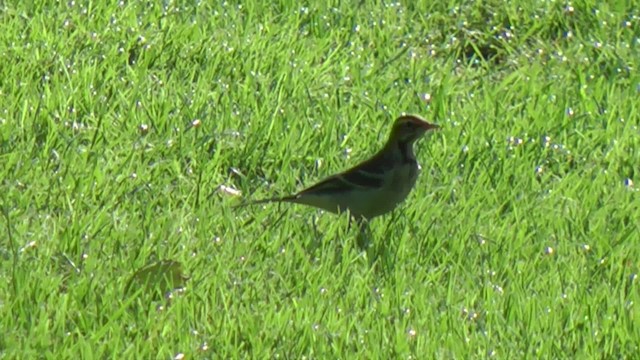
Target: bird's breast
[(405, 178)]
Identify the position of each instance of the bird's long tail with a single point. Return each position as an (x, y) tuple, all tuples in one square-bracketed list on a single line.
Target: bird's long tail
[(291, 198)]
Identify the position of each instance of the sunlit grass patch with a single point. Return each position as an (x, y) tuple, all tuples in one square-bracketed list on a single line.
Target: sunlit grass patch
[(128, 130)]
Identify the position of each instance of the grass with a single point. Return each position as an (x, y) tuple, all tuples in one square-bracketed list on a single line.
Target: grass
[(124, 128)]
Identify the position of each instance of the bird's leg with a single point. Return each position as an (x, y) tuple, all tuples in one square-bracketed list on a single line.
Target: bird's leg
[(363, 235), (315, 228), (316, 240)]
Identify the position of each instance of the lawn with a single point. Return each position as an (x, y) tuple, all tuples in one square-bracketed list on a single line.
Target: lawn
[(129, 131)]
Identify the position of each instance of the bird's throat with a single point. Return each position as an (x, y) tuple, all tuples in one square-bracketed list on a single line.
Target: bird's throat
[(406, 152)]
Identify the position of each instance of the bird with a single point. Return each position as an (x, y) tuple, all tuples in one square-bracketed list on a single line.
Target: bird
[(375, 186)]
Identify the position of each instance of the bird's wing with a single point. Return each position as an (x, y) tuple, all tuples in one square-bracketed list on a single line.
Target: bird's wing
[(369, 175)]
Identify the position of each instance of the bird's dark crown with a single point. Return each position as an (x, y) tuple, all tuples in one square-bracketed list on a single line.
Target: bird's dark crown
[(409, 128)]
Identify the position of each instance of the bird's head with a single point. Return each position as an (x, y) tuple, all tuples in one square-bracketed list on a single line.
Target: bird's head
[(409, 128)]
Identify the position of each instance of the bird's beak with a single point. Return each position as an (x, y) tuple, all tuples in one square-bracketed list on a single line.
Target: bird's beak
[(428, 127)]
